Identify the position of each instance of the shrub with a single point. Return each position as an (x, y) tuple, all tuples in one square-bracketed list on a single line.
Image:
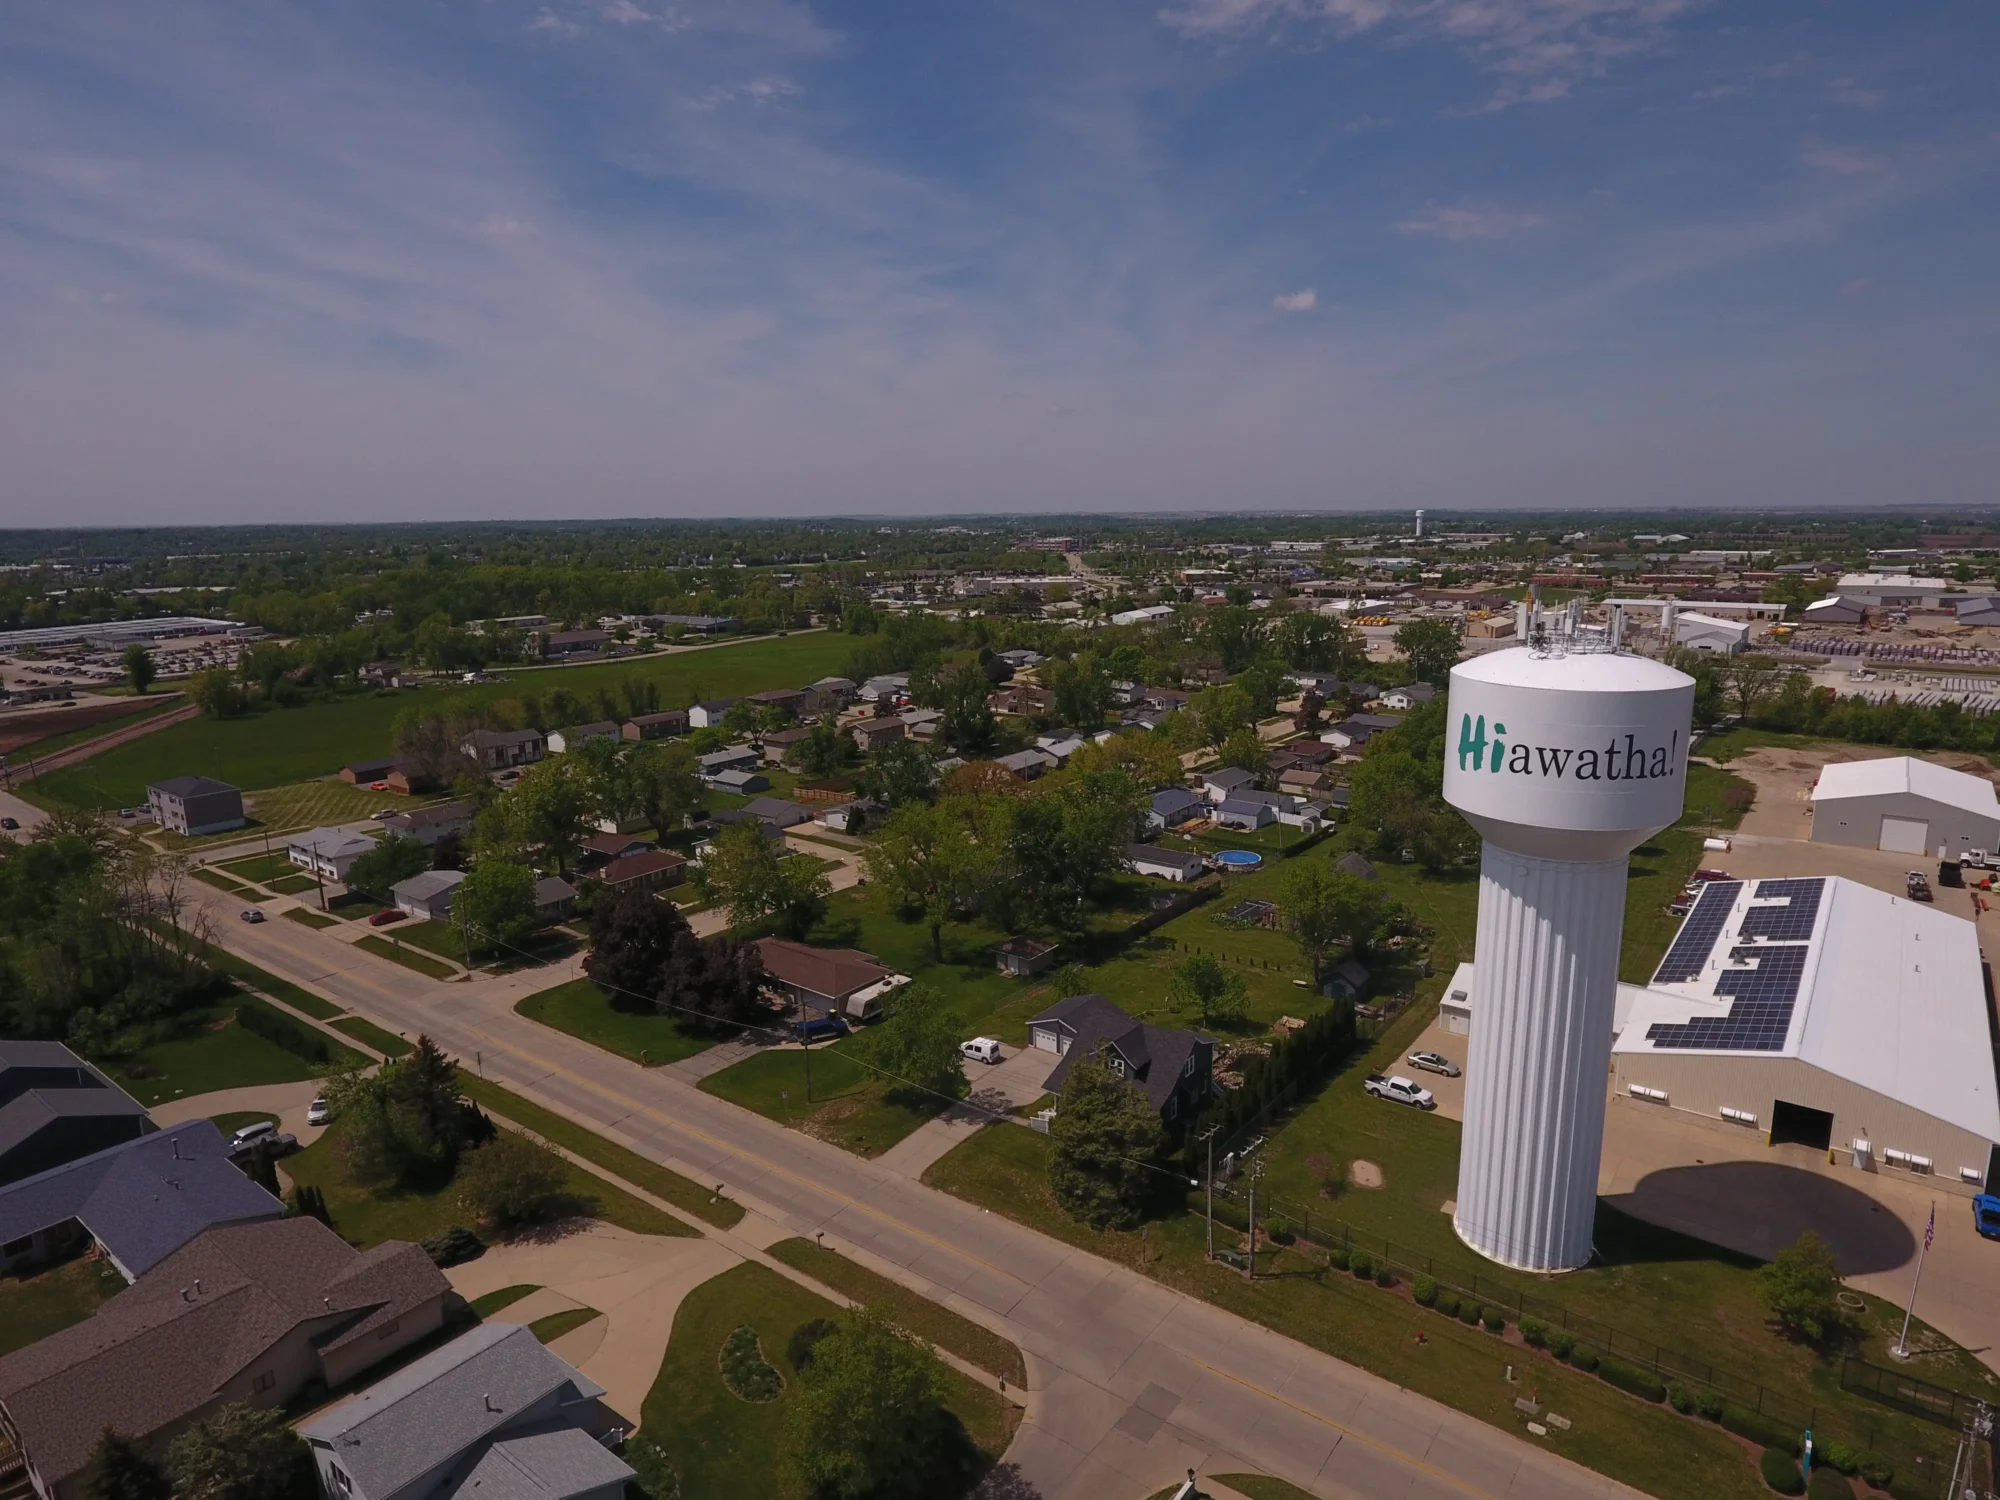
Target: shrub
[(1828, 1483), (284, 1032), (1425, 1291), (1279, 1230), (1709, 1404), (1631, 1378), (1534, 1333), (1447, 1303), (513, 1181), (1781, 1472), (1837, 1455), (1494, 1320), (1468, 1312), (1384, 1276), (657, 1476), (448, 1247), (1680, 1398), (1362, 1264), (1337, 1258), (1762, 1430), (1584, 1358), (805, 1338), (1877, 1470), (1560, 1344)]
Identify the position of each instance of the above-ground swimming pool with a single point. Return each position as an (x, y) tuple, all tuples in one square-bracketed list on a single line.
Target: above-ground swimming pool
[(1239, 861)]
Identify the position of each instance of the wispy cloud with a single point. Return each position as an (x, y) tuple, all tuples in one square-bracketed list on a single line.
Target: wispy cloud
[(547, 20), (1296, 302), (1448, 223), (1845, 161), (1853, 95)]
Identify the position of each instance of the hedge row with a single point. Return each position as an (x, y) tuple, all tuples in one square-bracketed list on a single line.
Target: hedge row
[(284, 1032)]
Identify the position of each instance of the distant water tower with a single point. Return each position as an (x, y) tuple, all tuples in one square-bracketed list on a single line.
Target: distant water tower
[(1420, 526), (1566, 754)]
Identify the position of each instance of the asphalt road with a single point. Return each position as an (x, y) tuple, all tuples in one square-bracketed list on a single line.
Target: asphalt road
[(1130, 1383)]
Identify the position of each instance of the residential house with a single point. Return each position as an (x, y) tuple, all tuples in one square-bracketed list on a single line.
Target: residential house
[(499, 749), (427, 896), (1173, 1067), (562, 741), (778, 812), (1165, 864), (846, 817), (1302, 753), (1172, 806), (1020, 658), (734, 758), (1024, 957), (1245, 814), (737, 783), (1328, 688), (923, 724), (491, 1414), (1024, 700), (831, 694), (653, 870), (789, 700), (555, 899), (137, 1202), (382, 674), (256, 1312), (570, 643), (828, 981), (195, 805), (368, 772), (328, 852), (407, 780), (871, 735), (1220, 785), (601, 848), (663, 725), (776, 745), (1355, 731), (56, 1108), (1166, 699), (429, 824), (1059, 748), (1027, 765), (709, 715), (1302, 781), (889, 685), (1336, 797), (1410, 695)]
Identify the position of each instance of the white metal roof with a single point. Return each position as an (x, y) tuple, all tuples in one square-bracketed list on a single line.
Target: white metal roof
[(1905, 773), (1891, 998)]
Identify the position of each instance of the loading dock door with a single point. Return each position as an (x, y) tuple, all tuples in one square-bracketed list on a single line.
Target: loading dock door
[(1904, 835), (1796, 1125)]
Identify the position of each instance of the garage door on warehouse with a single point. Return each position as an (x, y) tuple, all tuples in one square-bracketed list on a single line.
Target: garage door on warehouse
[(1904, 835)]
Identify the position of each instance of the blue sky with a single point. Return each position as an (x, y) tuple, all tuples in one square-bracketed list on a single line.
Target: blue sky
[(464, 258)]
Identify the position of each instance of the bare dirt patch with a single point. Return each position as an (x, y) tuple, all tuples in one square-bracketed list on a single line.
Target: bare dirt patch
[(1364, 1174)]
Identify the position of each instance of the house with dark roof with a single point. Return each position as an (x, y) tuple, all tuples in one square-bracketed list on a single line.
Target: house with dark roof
[(828, 981), (601, 848), (555, 898), (777, 744), (1166, 864), (1027, 765), (733, 758), (1410, 695), (55, 1108), (139, 1201), (258, 1313), (709, 715), (1355, 863), (427, 894), (490, 1416), (778, 812), (1173, 806), (648, 870), (1174, 1067), (567, 643), (195, 805), (1219, 785), (870, 735), (498, 749), (659, 726), (429, 824), (1356, 730), (562, 741), (1245, 813)]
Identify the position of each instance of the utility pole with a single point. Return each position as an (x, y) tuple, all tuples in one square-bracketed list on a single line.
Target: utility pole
[(1250, 1260), (1208, 1139)]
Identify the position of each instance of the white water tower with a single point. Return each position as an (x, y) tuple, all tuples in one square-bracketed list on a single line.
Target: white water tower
[(1566, 755), (1420, 526)]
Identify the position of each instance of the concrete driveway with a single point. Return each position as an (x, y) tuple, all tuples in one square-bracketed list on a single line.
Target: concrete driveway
[(287, 1101)]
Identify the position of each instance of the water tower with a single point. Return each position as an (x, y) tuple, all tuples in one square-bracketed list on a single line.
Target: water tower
[(1566, 754), (1420, 526)]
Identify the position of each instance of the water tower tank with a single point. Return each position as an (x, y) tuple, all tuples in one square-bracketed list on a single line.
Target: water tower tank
[(1565, 760)]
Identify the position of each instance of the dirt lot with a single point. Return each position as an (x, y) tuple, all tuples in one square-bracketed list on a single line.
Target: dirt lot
[(20, 729), (1784, 780)]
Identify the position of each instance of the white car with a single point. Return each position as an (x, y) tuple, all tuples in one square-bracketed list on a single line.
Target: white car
[(317, 1112), (984, 1049)]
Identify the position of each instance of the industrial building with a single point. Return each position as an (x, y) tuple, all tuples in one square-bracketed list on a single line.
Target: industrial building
[(1898, 590), (1905, 806), (1699, 632), (1836, 609), (1821, 1011)]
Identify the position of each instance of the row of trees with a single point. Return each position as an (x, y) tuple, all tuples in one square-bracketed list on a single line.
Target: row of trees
[(242, 1452)]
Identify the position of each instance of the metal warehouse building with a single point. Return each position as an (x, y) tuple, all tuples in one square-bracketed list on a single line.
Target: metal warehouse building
[(1906, 806), (1824, 1012)]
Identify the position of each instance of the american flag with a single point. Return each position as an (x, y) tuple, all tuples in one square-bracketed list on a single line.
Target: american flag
[(1930, 1229)]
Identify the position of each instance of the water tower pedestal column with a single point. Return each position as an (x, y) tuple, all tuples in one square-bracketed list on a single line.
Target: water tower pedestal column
[(1545, 987)]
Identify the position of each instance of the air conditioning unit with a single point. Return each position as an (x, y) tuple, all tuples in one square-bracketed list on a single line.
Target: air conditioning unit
[(1972, 1175), (1640, 1091), (1738, 1116), (1907, 1159)]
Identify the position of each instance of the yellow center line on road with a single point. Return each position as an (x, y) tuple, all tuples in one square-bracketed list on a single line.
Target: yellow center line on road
[(1348, 1432)]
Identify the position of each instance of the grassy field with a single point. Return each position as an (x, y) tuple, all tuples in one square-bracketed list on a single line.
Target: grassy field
[(368, 1215), (847, 1104), (280, 747), (583, 1010), (33, 1307), (364, 1030), (306, 917), (724, 1445), (223, 883), (259, 868), (215, 1054), (409, 958), (621, 1161), (48, 745), (910, 1311)]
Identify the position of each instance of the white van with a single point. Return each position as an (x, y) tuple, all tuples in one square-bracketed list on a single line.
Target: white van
[(984, 1049), (251, 1134)]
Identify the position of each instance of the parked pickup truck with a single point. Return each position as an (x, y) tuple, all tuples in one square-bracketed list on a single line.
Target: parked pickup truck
[(1399, 1090)]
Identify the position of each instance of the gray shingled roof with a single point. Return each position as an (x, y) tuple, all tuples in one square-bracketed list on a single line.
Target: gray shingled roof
[(1155, 1053), (189, 786), (142, 1199), (26, 1115), (444, 1405), (1185, 860), (552, 1464)]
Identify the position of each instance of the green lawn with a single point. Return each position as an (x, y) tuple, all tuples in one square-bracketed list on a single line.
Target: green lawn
[(622, 1162), (223, 883), (506, 1296), (443, 939), (279, 747), (724, 1445), (305, 916), (1262, 1487), (908, 1310), (216, 1053), (848, 1105), (440, 938), (364, 1030), (33, 1307), (555, 1325), (409, 958), (294, 885), (259, 867), (583, 1010), (369, 1215)]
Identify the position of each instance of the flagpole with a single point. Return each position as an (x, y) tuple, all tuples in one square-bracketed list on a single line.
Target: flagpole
[(1902, 1349)]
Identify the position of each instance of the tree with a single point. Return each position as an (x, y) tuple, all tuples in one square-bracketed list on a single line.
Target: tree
[(612, 783), (968, 726), (1149, 759), (242, 1453), (634, 938), (120, 1470), (494, 906), (1430, 649), (262, 1168), (548, 813), (1102, 1146), (513, 1181), (1200, 983), (1312, 642), (1326, 909), (1243, 748), (1221, 711), (1801, 1288), (140, 668), (667, 781), (899, 772), (868, 1417), (1079, 690), (1752, 680), (217, 693), (929, 859), (1231, 633), (748, 873), (822, 752), (918, 1045), (713, 985), (396, 858)]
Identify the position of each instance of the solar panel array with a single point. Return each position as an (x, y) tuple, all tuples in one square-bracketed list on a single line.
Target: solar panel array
[(1698, 933), (1762, 996)]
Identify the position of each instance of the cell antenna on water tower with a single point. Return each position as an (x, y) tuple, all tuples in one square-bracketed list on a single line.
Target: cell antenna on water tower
[(1566, 754)]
